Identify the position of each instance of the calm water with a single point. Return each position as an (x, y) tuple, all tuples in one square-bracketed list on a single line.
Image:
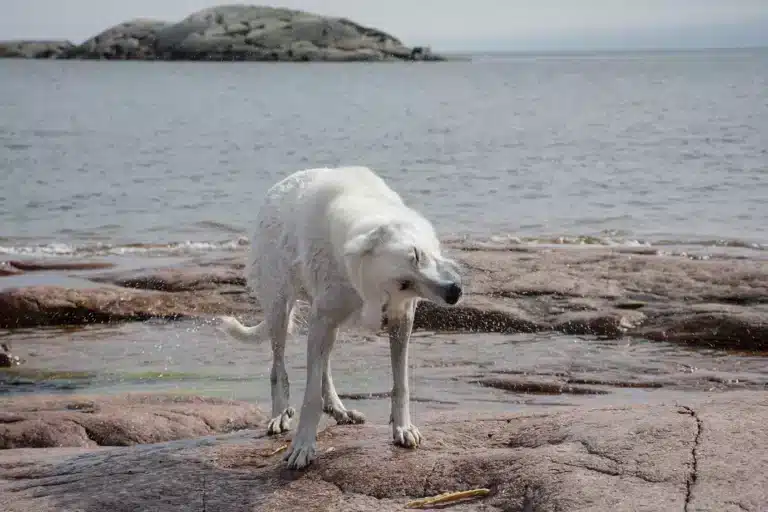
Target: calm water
[(650, 147)]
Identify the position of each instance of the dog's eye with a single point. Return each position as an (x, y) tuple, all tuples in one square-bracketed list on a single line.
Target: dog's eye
[(406, 284), (416, 258)]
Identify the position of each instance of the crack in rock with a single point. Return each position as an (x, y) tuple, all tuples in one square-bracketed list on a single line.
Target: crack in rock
[(428, 478), (610, 472), (203, 497), (691, 482)]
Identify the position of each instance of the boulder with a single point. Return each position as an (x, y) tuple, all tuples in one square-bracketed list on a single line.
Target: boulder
[(43, 422), (732, 328), (473, 316), (34, 49), (659, 458), (8, 360), (7, 269)]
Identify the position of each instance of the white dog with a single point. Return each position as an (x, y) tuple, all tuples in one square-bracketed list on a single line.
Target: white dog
[(344, 241)]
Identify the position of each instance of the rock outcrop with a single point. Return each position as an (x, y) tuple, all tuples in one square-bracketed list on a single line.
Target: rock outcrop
[(587, 291), (7, 359), (242, 32), (132, 40), (37, 306), (54, 422), (34, 49), (697, 456)]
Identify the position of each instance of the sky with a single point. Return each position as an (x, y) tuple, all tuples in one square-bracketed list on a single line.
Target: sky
[(449, 25)]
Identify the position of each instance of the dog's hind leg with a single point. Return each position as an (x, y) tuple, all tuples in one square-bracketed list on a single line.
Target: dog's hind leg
[(323, 327), (403, 432), (332, 403), (278, 318)]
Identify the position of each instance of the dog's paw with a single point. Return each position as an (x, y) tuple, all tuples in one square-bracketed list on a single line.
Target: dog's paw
[(347, 417), (300, 454), (281, 423), (407, 436)]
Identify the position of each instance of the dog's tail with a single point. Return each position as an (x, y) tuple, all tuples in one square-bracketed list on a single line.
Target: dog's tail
[(234, 328), (256, 333)]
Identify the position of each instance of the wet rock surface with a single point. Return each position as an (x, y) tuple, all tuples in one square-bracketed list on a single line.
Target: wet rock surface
[(177, 279), (471, 372), (53, 265), (239, 32), (50, 422), (717, 303), (538, 386), (694, 456)]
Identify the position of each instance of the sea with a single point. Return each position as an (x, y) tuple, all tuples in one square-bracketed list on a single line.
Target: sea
[(641, 148)]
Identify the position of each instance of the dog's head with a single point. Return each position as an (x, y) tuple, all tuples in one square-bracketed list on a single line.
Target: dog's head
[(391, 265)]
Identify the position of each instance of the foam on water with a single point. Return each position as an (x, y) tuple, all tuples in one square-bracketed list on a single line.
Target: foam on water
[(136, 249), (495, 242)]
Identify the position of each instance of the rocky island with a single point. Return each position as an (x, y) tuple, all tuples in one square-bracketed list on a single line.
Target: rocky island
[(233, 32)]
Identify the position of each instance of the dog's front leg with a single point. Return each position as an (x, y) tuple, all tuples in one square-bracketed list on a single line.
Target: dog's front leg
[(404, 433), (322, 334)]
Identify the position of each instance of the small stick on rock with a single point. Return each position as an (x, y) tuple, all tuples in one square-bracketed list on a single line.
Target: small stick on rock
[(447, 497), (275, 452)]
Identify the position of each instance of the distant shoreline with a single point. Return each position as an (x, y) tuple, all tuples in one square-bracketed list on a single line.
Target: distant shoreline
[(451, 56)]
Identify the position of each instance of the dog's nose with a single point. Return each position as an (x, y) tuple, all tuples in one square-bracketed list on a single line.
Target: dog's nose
[(452, 293)]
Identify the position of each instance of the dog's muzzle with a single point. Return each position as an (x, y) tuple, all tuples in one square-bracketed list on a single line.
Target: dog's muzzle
[(452, 293)]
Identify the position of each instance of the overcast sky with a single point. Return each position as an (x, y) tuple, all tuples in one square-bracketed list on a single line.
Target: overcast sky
[(448, 24)]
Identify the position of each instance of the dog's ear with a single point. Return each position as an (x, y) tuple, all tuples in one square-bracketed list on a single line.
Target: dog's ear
[(357, 254), (367, 242)]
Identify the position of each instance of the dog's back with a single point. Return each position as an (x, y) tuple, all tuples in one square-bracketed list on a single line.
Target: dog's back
[(295, 213)]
